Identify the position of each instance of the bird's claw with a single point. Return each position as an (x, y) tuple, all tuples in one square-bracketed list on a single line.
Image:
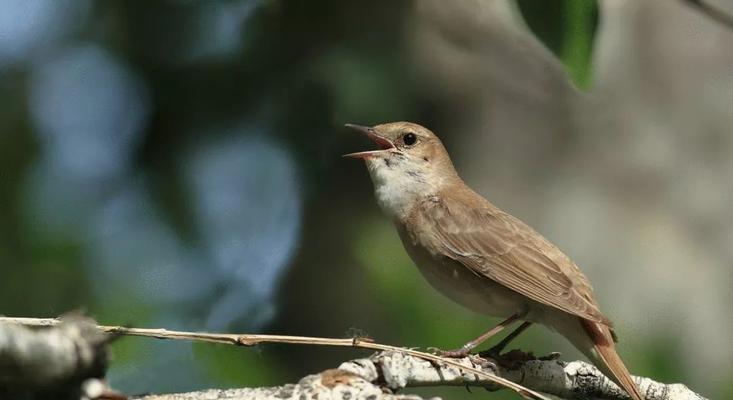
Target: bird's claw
[(484, 363), (551, 357), (458, 353)]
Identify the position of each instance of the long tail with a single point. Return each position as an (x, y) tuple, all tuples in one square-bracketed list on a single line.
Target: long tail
[(606, 352)]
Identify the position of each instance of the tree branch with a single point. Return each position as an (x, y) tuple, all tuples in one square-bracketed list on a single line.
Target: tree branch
[(251, 340), (367, 378), (395, 368), (713, 12), (60, 362)]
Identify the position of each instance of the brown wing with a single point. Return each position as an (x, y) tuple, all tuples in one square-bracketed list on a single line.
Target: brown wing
[(467, 228)]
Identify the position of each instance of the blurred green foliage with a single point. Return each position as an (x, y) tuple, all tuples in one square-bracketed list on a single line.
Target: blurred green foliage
[(567, 28)]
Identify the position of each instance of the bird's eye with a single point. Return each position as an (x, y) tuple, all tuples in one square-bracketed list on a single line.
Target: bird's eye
[(409, 139)]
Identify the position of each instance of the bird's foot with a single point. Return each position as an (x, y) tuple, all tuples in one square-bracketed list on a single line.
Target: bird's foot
[(457, 353), (484, 363), (509, 359), (555, 355), (476, 359), (493, 353), (515, 357)]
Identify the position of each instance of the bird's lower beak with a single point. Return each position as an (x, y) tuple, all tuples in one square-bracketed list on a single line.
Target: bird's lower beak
[(382, 142)]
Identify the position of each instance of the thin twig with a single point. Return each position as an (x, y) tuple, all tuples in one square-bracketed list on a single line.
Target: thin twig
[(251, 340), (715, 13)]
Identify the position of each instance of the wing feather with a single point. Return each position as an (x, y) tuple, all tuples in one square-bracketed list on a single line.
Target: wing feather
[(500, 247)]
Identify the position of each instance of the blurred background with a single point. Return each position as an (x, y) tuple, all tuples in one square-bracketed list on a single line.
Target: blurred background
[(177, 164)]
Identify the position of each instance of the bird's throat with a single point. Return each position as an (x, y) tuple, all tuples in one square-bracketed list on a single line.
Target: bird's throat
[(397, 187)]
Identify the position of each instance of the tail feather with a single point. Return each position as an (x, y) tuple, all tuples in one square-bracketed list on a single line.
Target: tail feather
[(603, 342)]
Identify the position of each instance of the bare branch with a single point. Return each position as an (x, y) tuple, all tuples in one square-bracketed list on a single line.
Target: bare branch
[(251, 340), (329, 384), (366, 378), (573, 380), (60, 361), (396, 368), (713, 12)]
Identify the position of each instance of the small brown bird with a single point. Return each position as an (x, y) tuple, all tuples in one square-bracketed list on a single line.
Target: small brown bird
[(478, 255)]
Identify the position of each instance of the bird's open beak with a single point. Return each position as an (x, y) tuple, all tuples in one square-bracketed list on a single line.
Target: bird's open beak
[(382, 142)]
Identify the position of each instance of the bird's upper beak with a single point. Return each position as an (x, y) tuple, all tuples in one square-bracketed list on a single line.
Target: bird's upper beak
[(382, 142)]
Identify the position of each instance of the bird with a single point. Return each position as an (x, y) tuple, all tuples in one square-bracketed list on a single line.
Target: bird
[(480, 256)]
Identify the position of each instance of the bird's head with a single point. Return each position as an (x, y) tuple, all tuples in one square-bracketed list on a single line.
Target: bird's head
[(410, 162)]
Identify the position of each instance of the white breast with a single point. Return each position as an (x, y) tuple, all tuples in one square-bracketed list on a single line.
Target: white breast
[(398, 186)]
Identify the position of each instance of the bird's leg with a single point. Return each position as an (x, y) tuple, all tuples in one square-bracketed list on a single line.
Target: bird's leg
[(495, 352), (466, 348)]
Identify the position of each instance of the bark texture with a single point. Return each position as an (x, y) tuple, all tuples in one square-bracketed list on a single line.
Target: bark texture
[(383, 374), (55, 362), (66, 359)]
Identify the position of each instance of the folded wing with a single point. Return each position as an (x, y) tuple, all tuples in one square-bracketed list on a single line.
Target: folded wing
[(498, 246)]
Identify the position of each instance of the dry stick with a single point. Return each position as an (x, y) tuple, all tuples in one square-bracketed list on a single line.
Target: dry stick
[(251, 340)]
